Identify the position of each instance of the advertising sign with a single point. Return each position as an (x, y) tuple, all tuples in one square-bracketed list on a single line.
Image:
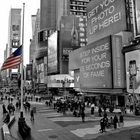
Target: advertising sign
[(52, 53), (74, 59), (118, 63), (103, 17), (29, 72), (77, 78), (61, 80), (72, 33), (95, 69), (15, 27), (136, 14), (132, 71)]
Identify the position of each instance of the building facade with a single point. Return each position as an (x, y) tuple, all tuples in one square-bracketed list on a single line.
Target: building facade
[(103, 54)]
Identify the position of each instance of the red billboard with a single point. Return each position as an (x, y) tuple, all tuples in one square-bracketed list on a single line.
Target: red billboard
[(103, 18), (95, 65)]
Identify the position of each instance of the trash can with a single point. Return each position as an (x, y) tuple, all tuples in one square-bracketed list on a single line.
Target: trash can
[(34, 109)]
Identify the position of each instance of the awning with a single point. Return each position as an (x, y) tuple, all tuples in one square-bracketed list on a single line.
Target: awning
[(103, 91)]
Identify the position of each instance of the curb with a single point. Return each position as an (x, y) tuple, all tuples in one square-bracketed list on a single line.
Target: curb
[(6, 134), (12, 120), (5, 131)]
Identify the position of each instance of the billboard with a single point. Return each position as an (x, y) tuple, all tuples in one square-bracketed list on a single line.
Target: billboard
[(132, 71), (77, 78), (103, 17), (72, 33), (29, 72), (15, 27), (95, 65), (118, 62), (61, 80), (136, 15), (52, 53)]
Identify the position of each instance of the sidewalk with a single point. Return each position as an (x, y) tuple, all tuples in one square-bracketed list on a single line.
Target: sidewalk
[(50, 125), (43, 129)]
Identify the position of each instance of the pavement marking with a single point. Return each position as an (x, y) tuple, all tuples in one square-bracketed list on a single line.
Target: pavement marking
[(53, 114), (82, 132), (42, 130), (66, 119)]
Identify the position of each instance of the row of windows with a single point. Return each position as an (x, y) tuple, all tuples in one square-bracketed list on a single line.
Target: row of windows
[(78, 3), (77, 8), (78, 13)]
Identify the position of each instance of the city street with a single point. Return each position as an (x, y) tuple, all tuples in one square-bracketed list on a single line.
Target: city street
[(70, 70), (51, 125)]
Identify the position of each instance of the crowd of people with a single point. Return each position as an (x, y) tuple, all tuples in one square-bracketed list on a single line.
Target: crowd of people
[(10, 108), (113, 121), (77, 107)]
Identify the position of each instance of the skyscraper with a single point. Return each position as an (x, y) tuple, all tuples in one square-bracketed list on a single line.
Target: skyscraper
[(48, 14), (14, 40), (14, 28)]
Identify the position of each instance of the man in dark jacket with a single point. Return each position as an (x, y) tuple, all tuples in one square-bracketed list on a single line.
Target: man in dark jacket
[(115, 121)]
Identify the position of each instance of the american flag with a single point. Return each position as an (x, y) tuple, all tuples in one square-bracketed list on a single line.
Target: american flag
[(13, 60)]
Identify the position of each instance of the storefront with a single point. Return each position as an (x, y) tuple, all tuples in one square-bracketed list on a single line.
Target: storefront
[(61, 84)]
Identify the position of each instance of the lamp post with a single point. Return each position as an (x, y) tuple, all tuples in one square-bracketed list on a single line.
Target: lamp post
[(64, 86)]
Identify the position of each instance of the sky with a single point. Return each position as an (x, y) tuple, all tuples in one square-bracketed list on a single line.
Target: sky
[(31, 7)]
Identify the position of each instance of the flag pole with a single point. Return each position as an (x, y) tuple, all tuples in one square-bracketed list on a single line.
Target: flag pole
[(23, 128), (22, 62)]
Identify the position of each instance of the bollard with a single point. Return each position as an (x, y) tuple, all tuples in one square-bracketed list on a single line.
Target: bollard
[(23, 128)]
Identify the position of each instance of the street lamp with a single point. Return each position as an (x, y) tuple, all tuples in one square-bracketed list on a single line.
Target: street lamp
[(64, 86)]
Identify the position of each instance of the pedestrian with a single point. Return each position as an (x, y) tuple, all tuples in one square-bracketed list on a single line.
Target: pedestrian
[(83, 116), (102, 126), (92, 108), (32, 114), (7, 118), (121, 120), (105, 119), (131, 108), (9, 108), (100, 112), (110, 123), (4, 109), (115, 121), (17, 105)]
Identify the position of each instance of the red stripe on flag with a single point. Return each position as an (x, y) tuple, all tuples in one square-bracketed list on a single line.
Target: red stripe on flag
[(11, 62)]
